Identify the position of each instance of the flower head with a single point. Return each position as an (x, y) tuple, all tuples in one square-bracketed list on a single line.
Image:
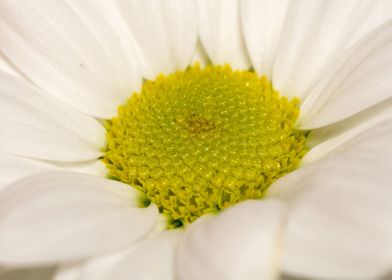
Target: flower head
[(269, 157)]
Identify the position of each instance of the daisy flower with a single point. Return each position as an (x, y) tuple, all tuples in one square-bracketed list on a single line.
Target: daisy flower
[(193, 140)]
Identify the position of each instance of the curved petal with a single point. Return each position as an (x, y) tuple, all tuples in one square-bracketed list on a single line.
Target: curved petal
[(262, 23), (340, 211), (93, 269), (72, 50), (242, 242), (358, 81), (68, 272), (153, 259), (316, 31), (181, 25), (221, 33), (63, 216), (93, 167), (6, 66), (13, 168), (150, 259), (34, 125), (164, 33), (327, 140)]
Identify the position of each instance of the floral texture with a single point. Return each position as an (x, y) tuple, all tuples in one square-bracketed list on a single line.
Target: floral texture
[(67, 65)]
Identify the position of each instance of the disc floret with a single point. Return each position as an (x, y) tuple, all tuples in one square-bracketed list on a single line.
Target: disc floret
[(200, 140)]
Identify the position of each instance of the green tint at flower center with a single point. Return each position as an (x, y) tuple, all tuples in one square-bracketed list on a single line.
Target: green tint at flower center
[(200, 140)]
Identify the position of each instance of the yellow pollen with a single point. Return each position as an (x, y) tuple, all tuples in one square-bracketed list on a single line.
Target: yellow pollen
[(200, 140)]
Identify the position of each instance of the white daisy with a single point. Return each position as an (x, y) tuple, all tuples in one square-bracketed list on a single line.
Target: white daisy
[(68, 65)]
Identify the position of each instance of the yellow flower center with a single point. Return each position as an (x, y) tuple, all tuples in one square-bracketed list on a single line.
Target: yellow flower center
[(200, 140)]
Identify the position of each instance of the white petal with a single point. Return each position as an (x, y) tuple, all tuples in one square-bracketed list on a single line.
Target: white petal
[(68, 272), (97, 268), (71, 50), (13, 168), (37, 126), (262, 23), (359, 80), (92, 269), (242, 242), (341, 207), (6, 66), (327, 139), (221, 33), (315, 32), (164, 33), (151, 259), (182, 28), (63, 216), (94, 167)]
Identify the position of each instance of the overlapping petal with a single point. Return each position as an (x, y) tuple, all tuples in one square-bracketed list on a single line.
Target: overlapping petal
[(327, 140), (315, 33), (14, 167), (74, 50), (221, 34), (93, 167), (242, 242), (262, 23), (356, 81), (339, 219), (164, 33), (339, 204), (63, 216), (68, 272), (151, 259), (6, 66), (37, 126)]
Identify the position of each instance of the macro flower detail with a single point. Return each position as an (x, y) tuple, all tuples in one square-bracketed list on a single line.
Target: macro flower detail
[(195, 139), (199, 141)]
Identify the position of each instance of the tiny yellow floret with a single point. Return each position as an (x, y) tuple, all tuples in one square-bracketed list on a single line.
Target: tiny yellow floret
[(200, 140)]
